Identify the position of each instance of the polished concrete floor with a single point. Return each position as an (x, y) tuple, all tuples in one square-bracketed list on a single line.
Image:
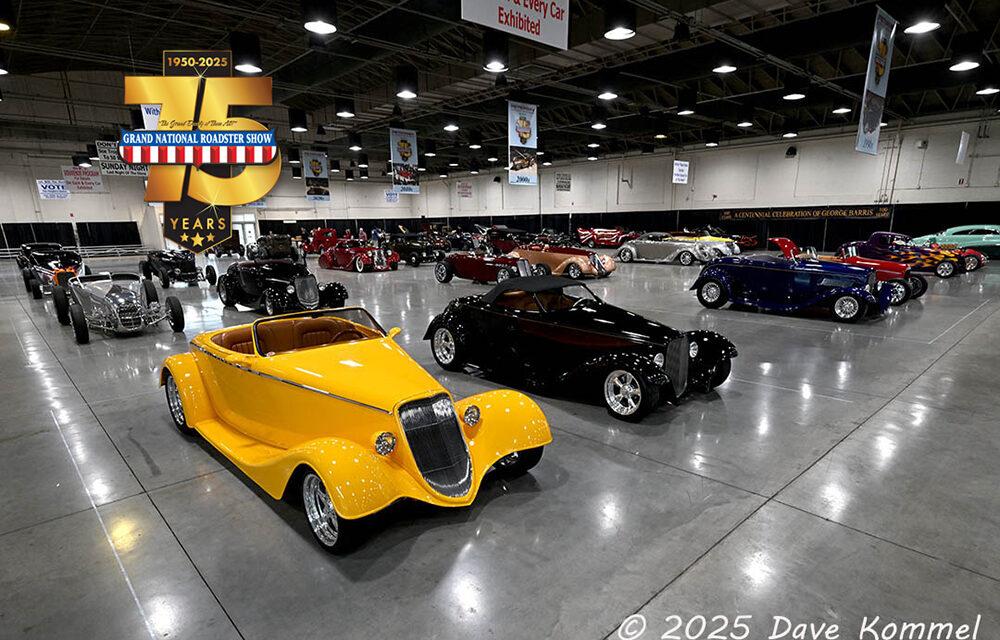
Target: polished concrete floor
[(843, 471)]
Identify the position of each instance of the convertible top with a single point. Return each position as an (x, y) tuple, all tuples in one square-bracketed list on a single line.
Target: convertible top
[(530, 284)]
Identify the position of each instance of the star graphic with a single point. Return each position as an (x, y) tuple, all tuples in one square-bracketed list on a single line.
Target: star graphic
[(197, 240), (211, 237), (184, 237)]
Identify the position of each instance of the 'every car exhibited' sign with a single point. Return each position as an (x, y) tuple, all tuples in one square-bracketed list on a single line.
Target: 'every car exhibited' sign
[(545, 21)]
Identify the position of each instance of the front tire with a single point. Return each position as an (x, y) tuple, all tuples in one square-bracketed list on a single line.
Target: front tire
[(225, 295), (79, 321), (446, 349), (720, 373), (541, 270), (175, 314), (413, 260), (359, 266), (626, 255), (901, 291), (628, 396), (848, 308), (26, 274), (518, 463), (270, 304), (175, 405), (686, 258), (164, 280), (712, 294), (333, 533), (145, 270), (443, 272), (945, 269), (61, 301), (211, 275)]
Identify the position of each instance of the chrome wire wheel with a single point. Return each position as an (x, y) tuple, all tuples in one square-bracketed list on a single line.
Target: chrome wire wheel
[(622, 392), (686, 258), (319, 510), (269, 305), (846, 307), (359, 266), (174, 402), (898, 292), (971, 263), (440, 271), (444, 346), (711, 292)]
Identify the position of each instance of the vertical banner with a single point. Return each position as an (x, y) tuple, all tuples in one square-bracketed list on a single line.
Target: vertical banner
[(317, 179), (522, 140), (403, 146), (876, 83)]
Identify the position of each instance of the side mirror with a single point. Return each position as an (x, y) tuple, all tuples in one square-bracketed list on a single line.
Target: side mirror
[(394, 332)]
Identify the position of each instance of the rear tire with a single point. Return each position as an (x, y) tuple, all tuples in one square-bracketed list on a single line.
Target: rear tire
[(26, 274), (541, 270), (504, 274), (79, 321), (164, 280), (443, 272), (270, 304), (626, 255), (359, 266), (918, 285), (901, 291), (36, 289), (175, 314), (720, 374), (413, 260), (972, 263), (211, 275), (712, 294), (225, 295), (848, 308), (518, 463), (61, 301), (945, 269), (150, 290)]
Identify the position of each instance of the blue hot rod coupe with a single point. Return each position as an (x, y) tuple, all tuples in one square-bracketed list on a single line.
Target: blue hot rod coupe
[(777, 283)]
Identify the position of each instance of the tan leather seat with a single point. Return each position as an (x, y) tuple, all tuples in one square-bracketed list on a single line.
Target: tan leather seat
[(276, 337), (238, 340)]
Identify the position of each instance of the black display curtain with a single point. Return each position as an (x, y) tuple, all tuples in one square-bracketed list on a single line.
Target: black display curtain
[(17, 233), (106, 234)]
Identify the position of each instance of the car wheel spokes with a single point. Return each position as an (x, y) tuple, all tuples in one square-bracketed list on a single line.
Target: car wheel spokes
[(622, 392), (174, 401), (711, 292), (319, 510), (444, 345), (846, 307)]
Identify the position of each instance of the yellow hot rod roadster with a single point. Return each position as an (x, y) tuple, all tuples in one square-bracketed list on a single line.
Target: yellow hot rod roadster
[(325, 405)]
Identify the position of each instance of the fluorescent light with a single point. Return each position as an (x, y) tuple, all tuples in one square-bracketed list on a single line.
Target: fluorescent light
[(660, 136), (924, 26), (964, 65), (546, 164), (321, 27), (248, 68), (619, 33), (841, 110), (474, 172), (591, 158), (685, 112), (539, 153), (493, 159), (345, 114), (452, 164), (724, 68), (355, 147), (795, 96), (451, 127), (711, 144), (430, 154)]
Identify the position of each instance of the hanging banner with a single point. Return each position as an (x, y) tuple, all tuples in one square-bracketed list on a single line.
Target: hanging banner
[(52, 189), (391, 197), (876, 84), (681, 169), (83, 180), (564, 182), (111, 163), (464, 189), (317, 179), (403, 146), (522, 140), (546, 22), (859, 212)]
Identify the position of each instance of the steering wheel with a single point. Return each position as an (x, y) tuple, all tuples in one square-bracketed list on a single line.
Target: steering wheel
[(578, 303), (347, 335)]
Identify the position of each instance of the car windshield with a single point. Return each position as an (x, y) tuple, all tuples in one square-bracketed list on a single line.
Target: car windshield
[(570, 297), (314, 329)]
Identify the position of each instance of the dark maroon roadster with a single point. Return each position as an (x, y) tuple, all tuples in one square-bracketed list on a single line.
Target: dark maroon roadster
[(478, 266), (553, 333)]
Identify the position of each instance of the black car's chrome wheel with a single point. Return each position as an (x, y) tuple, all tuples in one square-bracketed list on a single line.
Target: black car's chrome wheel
[(446, 349), (270, 306), (622, 392)]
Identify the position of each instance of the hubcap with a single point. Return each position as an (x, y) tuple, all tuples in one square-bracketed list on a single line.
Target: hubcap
[(846, 307), (319, 510), (945, 269), (711, 292), (686, 259), (174, 402), (502, 275), (269, 306), (622, 392), (971, 263), (627, 255), (573, 271), (358, 265), (444, 346), (440, 272), (898, 292)]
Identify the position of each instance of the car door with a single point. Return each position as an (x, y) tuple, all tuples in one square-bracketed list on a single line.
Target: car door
[(503, 324), (342, 254)]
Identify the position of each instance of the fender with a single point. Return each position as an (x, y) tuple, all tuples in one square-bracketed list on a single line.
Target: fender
[(711, 345), (716, 272), (194, 397), (597, 367), (450, 318), (509, 421)]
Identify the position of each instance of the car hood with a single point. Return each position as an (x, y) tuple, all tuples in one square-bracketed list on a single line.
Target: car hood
[(774, 262), (356, 371)]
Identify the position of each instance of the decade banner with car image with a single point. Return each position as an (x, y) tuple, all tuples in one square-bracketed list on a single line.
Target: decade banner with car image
[(317, 177), (522, 141), (403, 146), (876, 83)]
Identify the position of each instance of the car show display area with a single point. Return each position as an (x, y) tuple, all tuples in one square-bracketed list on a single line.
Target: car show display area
[(841, 470)]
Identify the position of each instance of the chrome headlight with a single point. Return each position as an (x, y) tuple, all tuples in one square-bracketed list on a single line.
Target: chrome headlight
[(693, 350), (385, 443), (660, 360), (471, 415), (290, 289)]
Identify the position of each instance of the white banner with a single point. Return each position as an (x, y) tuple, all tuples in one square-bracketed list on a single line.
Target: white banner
[(564, 182), (522, 140), (545, 21), (112, 165), (681, 169), (317, 179), (464, 189), (403, 147), (83, 179), (52, 189), (876, 84), (391, 197)]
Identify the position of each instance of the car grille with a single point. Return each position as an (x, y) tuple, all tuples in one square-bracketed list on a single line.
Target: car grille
[(676, 365), (596, 261), (435, 438), (379, 259), (129, 316), (307, 291)]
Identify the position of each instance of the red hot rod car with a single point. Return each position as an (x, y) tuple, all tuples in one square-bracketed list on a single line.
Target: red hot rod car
[(321, 239), (604, 237), (357, 255)]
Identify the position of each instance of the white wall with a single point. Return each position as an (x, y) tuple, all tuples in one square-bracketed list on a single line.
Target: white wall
[(826, 171)]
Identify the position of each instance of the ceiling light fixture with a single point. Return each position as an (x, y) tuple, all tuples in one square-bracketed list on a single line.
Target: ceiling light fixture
[(967, 52), (293, 156), (790, 134), (988, 89), (334, 166), (922, 26), (597, 119), (619, 20), (495, 52), (594, 145), (451, 127), (745, 120), (362, 160), (421, 164), (363, 173), (660, 136), (246, 52), (591, 158), (725, 67), (297, 120), (966, 63), (319, 16), (81, 160), (296, 173), (686, 102), (475, 140), (796, 89), (406, 82), (491, 155), (547, 163), (606, 86), (430, 148), (6, 15), (840, 111), (442, 174), (92, 152), (452, 164), (344, 107), (350, 175), (354, 141)]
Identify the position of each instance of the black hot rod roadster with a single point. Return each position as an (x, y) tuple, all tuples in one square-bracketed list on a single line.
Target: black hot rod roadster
[(46, 264), (175, 266), (277, 286), (554, 333)]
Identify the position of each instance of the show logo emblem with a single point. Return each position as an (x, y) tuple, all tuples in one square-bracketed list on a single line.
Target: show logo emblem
[(404, 149), (201, 160)]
